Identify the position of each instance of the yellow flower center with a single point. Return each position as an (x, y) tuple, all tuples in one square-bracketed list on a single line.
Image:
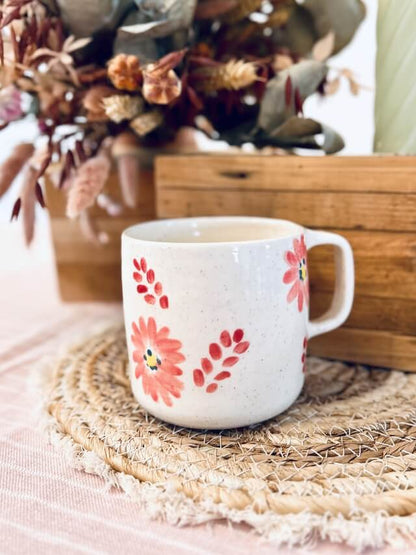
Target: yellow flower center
[(303, 274), (152, 360)]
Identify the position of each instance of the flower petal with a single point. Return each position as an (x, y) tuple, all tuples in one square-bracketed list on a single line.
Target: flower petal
[(137, 265), (290, 275), (300, 299), (137, 277), (291, 258), (151, 330), (158, 288), (293, 293), (143, 264)]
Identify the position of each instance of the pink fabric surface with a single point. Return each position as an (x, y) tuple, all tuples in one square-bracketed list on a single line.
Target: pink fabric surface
[(45, 505)]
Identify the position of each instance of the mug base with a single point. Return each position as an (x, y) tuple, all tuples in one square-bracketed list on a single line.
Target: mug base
[(214, 422)]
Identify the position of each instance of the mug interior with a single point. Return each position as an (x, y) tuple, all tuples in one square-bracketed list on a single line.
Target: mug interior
[(230, 229)]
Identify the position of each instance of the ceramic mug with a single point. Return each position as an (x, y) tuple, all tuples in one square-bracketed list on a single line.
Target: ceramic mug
[(217, 315)]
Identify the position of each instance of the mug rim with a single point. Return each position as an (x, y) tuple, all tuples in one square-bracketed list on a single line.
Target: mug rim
[(294, 229)]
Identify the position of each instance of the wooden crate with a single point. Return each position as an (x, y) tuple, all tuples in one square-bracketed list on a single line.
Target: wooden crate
[(86, 271), (369, 200)]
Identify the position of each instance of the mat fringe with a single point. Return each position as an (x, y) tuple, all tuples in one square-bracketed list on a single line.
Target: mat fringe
[(360, 531)]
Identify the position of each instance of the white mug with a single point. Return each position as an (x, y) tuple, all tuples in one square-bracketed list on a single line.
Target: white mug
[(217, 315)]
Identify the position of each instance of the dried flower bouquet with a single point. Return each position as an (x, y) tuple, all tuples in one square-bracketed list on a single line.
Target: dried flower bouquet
[(105, 78)]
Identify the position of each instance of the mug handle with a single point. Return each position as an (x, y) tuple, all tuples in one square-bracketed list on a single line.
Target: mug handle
[(343, 297)]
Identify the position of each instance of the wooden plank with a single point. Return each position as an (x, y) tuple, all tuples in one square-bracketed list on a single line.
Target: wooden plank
[(373, 313), (256, 172), (373, 244), (80, 282), (378, 277), (72, 246), (378, 348), (368, 211)]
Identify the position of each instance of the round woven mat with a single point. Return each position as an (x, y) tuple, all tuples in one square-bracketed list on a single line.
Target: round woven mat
[(346, 448)]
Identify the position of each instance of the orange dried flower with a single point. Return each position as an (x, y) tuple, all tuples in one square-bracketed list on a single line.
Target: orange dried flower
[(124, 72)]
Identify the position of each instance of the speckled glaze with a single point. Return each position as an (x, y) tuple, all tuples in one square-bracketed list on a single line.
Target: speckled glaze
[(216, 330)]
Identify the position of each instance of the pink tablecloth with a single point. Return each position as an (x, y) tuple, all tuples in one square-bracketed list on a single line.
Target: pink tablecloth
[(46, 505)]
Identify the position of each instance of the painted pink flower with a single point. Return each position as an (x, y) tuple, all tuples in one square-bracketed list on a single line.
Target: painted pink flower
[(222, 356), (151, 289), (10, 104), (297, 273), (157, 357)]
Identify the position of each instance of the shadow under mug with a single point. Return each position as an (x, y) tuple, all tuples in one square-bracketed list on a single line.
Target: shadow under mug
[(217, 315)]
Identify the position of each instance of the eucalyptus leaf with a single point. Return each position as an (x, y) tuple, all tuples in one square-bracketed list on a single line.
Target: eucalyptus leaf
[(333, 142), (297, 127), (305, 77), (155, 19), (85, 17), (340, 16)]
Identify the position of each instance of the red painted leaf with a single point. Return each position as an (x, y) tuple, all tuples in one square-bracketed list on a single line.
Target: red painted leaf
[(229, 361), (16, 209), (206, 365), (39, 195), (136, 263), (215, 351), (150, 299), (238, 335), (225, 338), (222, 375), (241, 347), (142, 289), (150, 276), (199, 378), (143, 264), (164, 302), (303, 357), (212, 387), (137, 276), (288, 91), (158, 288), (298, 102), (305, 342)]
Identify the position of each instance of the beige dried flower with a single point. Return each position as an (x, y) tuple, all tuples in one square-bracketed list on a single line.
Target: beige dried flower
[(147, 122), (124, 72), (160, 88), (88, 182), (93, 102), (234, 75), (122, 106)]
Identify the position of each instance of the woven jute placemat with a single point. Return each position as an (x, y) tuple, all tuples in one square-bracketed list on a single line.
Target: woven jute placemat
[(340, 464)]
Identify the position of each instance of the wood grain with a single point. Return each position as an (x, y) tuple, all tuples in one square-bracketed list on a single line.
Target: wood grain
[(369, 200), (343, 210), (379, 348), (378, 174)]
